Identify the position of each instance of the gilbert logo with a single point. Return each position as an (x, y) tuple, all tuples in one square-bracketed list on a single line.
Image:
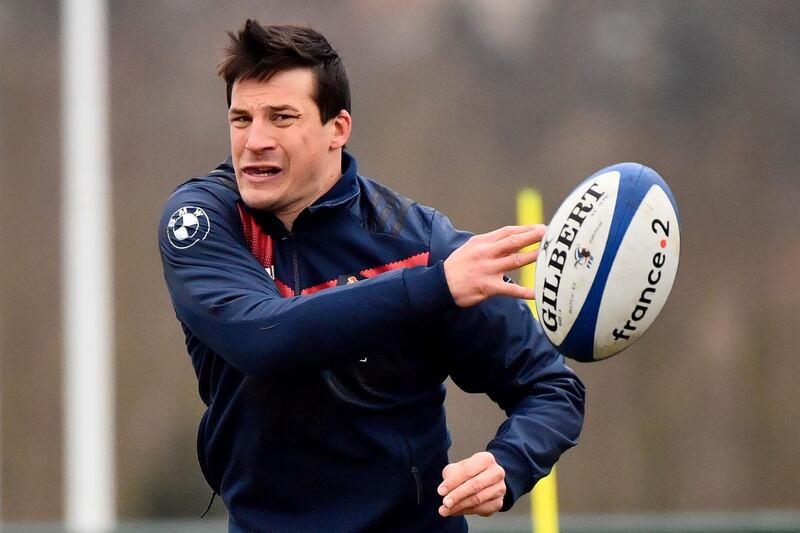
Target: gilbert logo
[(557, 256)]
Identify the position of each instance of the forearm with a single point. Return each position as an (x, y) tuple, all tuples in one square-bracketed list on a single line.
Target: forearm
[(266, 335), (501, 350), (538, 430)]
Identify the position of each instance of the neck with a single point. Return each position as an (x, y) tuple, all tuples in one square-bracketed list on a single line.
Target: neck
[(290, 214)]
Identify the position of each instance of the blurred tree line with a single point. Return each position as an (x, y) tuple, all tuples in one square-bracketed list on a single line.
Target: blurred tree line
[(457, 104)]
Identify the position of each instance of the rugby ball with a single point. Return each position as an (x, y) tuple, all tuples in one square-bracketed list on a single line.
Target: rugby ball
[(607, 262)]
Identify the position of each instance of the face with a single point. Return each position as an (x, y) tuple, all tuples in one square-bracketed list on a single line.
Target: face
[(283, 155)]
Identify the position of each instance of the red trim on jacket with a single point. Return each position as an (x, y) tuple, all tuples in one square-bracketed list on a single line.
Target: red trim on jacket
[(260, 245), (420, 259)]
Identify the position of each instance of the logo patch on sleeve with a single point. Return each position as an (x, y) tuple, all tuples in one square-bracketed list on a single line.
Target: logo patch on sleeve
[(348, 280), (187, 226)]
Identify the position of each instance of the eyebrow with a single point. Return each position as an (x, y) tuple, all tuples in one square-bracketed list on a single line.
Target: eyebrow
[(272, 108)]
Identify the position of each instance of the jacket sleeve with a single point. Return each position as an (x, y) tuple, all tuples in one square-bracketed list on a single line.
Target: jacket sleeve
[(498, 348), (225, 298)]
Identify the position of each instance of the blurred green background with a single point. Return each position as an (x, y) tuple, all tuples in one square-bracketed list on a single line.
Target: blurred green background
[(457, 104)]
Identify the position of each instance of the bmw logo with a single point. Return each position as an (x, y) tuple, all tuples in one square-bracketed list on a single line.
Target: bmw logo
[(186, 226)]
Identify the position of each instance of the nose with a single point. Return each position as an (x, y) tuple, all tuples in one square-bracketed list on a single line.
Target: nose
[(260, 137)]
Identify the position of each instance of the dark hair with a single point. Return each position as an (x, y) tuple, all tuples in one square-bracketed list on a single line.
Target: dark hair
[(259, 52)]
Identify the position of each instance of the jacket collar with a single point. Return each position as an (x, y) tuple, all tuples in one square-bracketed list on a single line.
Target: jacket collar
[(343, 190)]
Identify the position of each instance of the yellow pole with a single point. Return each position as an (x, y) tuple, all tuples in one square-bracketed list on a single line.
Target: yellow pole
[(544, 497), (529, 211)]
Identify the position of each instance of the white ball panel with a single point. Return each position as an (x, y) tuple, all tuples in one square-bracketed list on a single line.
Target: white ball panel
[(641, 276), (562, 280)]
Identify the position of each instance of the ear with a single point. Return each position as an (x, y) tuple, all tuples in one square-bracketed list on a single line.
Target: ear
[(342, 124)]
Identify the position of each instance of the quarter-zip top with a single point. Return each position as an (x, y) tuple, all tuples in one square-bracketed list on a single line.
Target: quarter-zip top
[(321, 356)]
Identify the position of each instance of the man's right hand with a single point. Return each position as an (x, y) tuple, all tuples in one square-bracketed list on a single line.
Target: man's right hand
[(475, 271)]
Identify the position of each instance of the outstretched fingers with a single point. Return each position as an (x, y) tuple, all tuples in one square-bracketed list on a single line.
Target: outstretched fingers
[(517, 240), (515, 260), (515, 291), (475, 271), (507, 232)]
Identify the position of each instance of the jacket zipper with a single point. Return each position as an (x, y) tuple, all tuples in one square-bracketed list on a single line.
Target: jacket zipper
[(418, 482), (415, 473), (290, 238), (296, 268)]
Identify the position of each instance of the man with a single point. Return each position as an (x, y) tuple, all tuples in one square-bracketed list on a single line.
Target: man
[(322, 313)]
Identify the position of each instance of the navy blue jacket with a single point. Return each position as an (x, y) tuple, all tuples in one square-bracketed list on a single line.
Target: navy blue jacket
[(321, 354)]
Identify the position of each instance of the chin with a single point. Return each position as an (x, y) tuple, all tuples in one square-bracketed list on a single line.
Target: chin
[(256, 200)]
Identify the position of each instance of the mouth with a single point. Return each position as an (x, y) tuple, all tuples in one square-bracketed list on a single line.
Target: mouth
[(260, 172)]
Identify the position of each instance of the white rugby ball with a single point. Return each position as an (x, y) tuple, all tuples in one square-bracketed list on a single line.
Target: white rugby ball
[(607, 262)]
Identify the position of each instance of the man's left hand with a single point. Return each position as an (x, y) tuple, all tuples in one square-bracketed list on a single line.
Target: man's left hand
[(473, 486)]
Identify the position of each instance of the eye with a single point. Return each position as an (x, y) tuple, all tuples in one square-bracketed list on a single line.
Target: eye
[(239, 121), (284, 119)]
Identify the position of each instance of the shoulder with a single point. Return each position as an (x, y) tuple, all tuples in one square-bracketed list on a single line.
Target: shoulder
[(211, 188), (200, 204), (386, 211), (215, 192)]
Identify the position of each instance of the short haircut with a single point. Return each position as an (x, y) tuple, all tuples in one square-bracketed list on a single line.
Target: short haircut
[(259, 52)]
